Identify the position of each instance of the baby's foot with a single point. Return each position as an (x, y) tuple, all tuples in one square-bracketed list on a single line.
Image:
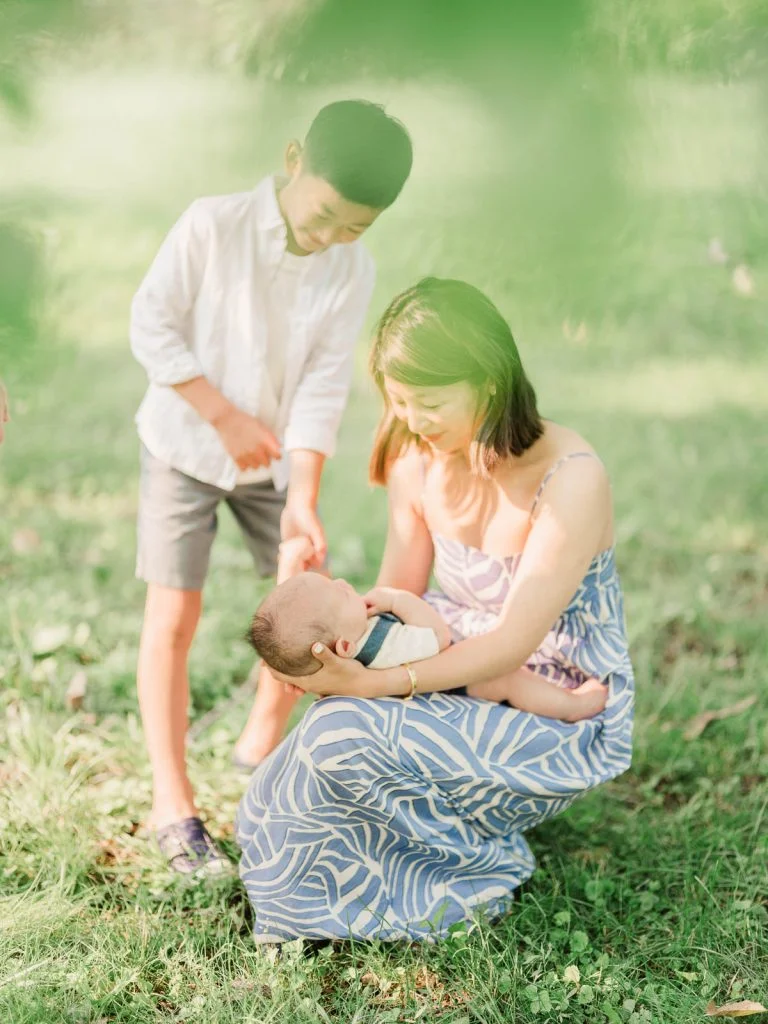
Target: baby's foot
[(497, 691), (587, 700)]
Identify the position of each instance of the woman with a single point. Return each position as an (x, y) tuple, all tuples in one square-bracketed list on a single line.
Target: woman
[(390, 818)]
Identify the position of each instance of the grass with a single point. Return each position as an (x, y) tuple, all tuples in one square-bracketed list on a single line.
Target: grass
[(649, 899)]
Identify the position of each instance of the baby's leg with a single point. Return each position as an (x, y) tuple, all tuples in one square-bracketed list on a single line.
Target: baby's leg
[(528, 691)]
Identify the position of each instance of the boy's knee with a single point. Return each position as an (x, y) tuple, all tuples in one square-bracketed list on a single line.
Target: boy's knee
[(171, 616)]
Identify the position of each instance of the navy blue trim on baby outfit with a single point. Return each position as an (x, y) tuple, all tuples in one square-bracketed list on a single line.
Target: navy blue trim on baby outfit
[(372, 646)]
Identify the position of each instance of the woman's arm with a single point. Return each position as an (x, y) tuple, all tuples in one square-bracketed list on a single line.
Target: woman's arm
[(573, 520), (408, 554)]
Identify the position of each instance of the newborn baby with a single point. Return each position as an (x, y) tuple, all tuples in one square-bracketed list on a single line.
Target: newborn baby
[(382, 629), (385, 628)]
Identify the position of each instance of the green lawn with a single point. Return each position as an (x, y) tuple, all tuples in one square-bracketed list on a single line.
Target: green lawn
[(650, 895)]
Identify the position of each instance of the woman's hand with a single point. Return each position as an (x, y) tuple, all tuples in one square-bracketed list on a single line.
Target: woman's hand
[(340, 677)]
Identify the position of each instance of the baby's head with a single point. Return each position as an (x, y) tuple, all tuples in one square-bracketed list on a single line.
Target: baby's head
[(302, 611)]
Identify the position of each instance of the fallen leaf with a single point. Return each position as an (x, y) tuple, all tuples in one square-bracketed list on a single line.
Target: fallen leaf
[(716, 252), (699, 722), (742, 280), (578, 335), (49, 639), (82, 634), (743, 1009), (572, 974), (25, 541), (75, 694)]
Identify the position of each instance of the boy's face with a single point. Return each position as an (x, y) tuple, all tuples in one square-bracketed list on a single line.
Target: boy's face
[(315, 215)]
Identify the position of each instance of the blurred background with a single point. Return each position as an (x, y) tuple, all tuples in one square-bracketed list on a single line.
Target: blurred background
[(598, 167)]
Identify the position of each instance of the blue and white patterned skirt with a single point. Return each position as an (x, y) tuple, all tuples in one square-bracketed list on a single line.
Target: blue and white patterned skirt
[(396, 819)]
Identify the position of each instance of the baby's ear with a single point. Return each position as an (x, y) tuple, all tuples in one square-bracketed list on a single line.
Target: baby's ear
[(345, 648)]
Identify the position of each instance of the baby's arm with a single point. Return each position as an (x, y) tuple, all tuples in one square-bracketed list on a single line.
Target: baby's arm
[(527, 691), (411, 609), (295, 556)]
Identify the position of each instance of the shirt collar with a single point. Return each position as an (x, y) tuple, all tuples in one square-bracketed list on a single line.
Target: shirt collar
[(267, 207)]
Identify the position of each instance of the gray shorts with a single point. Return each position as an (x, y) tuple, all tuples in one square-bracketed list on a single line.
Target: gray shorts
[(177, 523)]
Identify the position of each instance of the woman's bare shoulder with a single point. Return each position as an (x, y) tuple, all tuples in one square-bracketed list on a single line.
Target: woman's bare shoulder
[(563, 441), (405, 479)]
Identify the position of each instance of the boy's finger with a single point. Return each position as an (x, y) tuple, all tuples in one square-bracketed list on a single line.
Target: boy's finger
[(272, 446)]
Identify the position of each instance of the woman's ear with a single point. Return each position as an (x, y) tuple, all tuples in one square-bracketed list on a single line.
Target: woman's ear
[(345, 648), (293, 155)]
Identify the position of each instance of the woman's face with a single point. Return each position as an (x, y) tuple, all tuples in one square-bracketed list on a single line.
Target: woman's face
[(445, 417)]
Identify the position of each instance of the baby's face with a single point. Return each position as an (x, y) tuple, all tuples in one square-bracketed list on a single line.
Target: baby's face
[(339, 602)]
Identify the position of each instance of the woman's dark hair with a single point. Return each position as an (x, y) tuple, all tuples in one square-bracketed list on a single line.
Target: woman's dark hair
[(359, 149), (442, 332)]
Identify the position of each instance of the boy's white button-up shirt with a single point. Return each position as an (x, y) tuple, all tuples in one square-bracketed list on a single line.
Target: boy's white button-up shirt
[(203, 310)]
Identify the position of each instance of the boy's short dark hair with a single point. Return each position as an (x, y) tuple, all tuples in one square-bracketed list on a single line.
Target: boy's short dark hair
[(359, 149)]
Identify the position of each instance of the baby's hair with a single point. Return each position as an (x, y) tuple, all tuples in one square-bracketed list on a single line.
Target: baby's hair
[(281, 643)]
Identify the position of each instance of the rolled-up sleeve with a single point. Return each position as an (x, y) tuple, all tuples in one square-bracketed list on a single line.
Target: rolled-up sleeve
[(321, 396), (161, 308)]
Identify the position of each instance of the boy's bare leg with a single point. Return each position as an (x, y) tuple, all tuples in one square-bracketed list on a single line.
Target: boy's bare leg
[(528, 691), (267, 721), (170, 621)]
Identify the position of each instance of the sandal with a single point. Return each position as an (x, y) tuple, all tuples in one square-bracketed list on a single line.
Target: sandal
[(189, 849)]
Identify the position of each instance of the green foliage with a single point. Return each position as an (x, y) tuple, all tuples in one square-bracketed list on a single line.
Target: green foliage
[(649, 897)]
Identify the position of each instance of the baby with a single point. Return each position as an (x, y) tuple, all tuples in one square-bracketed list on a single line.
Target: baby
[(384, 628)]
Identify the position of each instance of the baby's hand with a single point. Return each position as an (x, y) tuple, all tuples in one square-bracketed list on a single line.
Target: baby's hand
[(379, 600), (295, 556)]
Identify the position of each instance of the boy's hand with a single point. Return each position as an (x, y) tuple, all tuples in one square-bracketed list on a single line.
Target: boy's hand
[(300, 519), (295, 556), (380, 599), (248, 441)]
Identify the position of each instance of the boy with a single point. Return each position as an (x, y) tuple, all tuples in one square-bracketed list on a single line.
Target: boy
[(384, 628), (246, 324)]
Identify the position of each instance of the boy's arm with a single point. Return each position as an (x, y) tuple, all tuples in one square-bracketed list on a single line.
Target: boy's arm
[(412, 610), (318, 404), (159, 312), (299, 516), (322, 392), (165, 298)]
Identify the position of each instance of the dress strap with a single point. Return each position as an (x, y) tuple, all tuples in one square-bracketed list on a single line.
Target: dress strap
[(551, 472)]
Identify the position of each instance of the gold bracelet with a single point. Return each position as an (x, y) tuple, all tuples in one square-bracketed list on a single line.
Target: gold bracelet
[(413, 680)]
